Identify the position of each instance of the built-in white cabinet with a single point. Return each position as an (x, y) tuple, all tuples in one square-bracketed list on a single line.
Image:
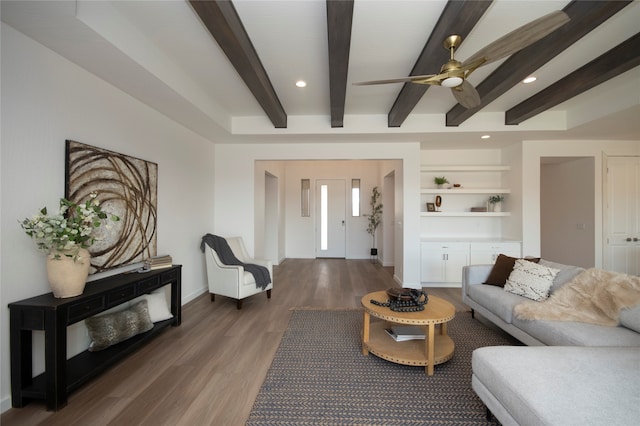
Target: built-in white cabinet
[(442, 261), (485, 253)]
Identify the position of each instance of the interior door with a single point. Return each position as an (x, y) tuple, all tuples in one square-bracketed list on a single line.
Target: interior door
[(622, 212), (331, 215)]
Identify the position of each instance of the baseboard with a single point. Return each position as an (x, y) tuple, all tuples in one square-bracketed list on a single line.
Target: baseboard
[(191, 296), (5, 404)]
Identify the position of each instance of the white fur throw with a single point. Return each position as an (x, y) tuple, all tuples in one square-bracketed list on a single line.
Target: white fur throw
[(594, 296)]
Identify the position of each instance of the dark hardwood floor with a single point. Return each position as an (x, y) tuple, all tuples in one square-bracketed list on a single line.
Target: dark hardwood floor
[(209, 370)]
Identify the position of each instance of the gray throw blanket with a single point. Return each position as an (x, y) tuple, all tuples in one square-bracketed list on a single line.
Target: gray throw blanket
[(220, 245)]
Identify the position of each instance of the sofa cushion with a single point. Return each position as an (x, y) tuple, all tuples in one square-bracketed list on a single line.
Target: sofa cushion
[(530, 280), (502, 268), (495, 299), (569, 333), (560, 385), (566, 274), (630, 318)]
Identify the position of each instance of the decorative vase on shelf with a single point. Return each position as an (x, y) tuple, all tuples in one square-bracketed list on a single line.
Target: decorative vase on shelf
[(497, 207), (68, 275)]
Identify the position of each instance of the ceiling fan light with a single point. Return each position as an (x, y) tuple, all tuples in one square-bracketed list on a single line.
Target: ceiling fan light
[(452, 82)]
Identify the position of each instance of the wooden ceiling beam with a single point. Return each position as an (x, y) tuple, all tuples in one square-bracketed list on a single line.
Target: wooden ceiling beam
[(224, 24), (613, 63), (458, 17), (585, 17), (339, 19)]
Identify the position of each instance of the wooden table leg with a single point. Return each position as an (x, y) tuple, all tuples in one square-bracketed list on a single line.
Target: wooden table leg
[(443, 328), (430, 349), (365, 333)]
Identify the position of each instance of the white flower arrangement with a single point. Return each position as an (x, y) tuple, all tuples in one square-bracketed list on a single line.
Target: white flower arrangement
[(70, 230)]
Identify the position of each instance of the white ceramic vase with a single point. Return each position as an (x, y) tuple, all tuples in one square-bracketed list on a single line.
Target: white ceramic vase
[(497, 207), (67, 277)]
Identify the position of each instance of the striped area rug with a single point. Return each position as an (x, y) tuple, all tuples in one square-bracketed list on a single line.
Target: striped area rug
[(320, 377)]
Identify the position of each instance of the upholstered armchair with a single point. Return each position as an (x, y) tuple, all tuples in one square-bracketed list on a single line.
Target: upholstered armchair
[(233, 280)]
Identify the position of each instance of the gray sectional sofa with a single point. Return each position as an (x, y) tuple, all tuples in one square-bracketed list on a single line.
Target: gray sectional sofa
[(588, 375)]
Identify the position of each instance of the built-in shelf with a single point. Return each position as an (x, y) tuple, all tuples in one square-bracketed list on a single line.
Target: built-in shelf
[(465, 214), (451, 191), (490, 168)]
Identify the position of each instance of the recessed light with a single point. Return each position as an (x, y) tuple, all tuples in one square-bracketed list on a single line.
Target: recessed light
[(301, 83), (529, 79), (485, 136)]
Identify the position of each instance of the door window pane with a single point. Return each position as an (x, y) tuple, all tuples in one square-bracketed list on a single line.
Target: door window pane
[(323, 217), (355, 197), (304, 197)]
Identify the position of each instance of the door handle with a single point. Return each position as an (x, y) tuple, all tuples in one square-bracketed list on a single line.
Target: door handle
[(343, 223)]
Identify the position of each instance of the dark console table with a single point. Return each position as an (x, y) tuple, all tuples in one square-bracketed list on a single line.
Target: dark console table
[(52, 315)]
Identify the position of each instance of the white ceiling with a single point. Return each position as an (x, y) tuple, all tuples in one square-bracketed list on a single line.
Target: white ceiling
[(161, 53)]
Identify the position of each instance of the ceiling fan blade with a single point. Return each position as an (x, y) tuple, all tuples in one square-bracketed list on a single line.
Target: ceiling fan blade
[(410, 79), (520, 38), (466, 95)]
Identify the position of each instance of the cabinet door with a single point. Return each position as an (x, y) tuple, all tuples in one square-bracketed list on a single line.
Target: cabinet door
[(443, 262), (432, 264), (455, 259)]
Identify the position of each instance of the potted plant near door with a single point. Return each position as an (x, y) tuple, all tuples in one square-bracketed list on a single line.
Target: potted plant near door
[(374, 218)]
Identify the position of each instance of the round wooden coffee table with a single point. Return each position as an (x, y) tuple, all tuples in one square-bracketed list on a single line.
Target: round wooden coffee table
[(435, 349)]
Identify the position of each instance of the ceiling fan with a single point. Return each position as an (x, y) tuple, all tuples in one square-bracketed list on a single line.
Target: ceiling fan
[(453, 74)]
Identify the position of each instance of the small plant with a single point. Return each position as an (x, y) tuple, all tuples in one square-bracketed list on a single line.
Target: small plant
[(440, 180), (494, 199)]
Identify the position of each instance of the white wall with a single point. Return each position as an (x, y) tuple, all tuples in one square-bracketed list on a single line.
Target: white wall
[(512, 226), (45, 100), (532, 151), (235, 208)]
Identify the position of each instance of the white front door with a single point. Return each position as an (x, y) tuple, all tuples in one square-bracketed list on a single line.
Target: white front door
[(331, 216)]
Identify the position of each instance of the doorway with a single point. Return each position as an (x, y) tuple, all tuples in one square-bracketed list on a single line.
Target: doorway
[(271, 217), (567, 210), (331, 216)]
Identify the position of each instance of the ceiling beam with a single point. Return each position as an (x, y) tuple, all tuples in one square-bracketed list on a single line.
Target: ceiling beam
[(458, 17), (585, 16), (224, 24), (339, 18), (613, 63)]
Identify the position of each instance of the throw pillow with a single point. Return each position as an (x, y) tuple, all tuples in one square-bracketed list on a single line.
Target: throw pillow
[(157, 302), (502, 268), (530, 280), (107, 330)]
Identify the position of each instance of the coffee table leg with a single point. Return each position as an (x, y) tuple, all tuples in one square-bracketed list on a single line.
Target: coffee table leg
[(443, 328), (430, 350), (365, 333)]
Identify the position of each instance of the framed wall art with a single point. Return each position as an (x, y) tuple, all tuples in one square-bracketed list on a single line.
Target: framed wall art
[(126, 186)]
